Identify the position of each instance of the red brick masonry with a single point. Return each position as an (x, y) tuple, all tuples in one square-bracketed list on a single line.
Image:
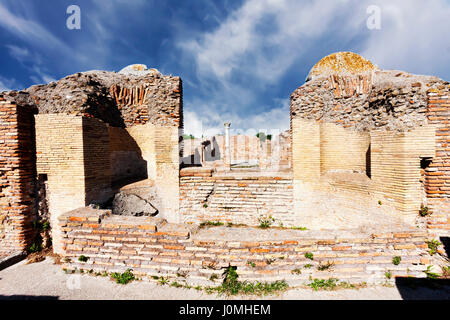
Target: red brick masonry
[(437, 175), (152, 248), (17, 168)]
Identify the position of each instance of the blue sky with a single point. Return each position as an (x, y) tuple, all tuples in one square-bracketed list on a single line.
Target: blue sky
[(239, 59)]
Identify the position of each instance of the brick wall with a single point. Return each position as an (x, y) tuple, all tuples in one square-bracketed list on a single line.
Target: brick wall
[(237, 199), (73, 152), (395, 166), (437, 174), (152, 248), (376, 124), (17, 177), (333, 156)]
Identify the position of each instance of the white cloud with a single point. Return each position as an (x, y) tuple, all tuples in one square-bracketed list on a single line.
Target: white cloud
[(260, 42), (413, 37), (20, 54), (30, 31), (239, 45), (7, 84)]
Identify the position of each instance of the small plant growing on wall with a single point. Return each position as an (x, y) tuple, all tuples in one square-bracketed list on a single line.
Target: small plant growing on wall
[(430, 274), (424, 211), (265, 221), (35, 247), (83, 258), (123, 278), (299, 228), (396, 260), (309, 255), (326, 266), (211, 224), (296, 271), (433, 246), (214, 277)]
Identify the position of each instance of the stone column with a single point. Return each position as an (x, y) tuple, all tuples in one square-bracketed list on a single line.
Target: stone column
[(227, 161)]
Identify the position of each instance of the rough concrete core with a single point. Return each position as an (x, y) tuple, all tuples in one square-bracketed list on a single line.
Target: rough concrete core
[(137, 199), (116, 98)]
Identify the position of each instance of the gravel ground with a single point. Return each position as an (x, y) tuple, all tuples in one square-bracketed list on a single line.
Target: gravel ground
[(45, 280)]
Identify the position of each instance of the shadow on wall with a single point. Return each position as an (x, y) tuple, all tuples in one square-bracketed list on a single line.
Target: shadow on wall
[(193, 160), (368, 162), (423, 289), (446, 243), (111, 156), (212, 151), (105, 108)]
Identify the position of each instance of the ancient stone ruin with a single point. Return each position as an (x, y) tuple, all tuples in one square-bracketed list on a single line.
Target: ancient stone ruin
[(103, 157)]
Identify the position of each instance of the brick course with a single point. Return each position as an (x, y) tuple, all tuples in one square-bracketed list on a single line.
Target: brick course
[(152, 248)]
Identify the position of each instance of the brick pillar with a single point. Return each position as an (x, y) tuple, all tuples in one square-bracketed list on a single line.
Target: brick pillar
[(227, 161), (17, 177), (437, 175), (167, 179), (263, 153)]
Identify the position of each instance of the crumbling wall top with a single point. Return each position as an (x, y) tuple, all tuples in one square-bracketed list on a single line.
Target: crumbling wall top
[(119, 99), (348, 89)]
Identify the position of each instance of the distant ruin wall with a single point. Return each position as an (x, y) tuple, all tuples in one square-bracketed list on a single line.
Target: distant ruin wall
[(244, 150), (17, 177)]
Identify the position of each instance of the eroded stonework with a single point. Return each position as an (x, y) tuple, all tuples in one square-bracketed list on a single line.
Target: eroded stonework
[(121, 100)]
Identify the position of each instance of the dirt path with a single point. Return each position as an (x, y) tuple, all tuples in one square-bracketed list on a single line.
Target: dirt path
[(45, 280)]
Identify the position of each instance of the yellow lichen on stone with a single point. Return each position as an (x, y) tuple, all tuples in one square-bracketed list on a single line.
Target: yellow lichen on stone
[(342, 62), (139, 67)]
